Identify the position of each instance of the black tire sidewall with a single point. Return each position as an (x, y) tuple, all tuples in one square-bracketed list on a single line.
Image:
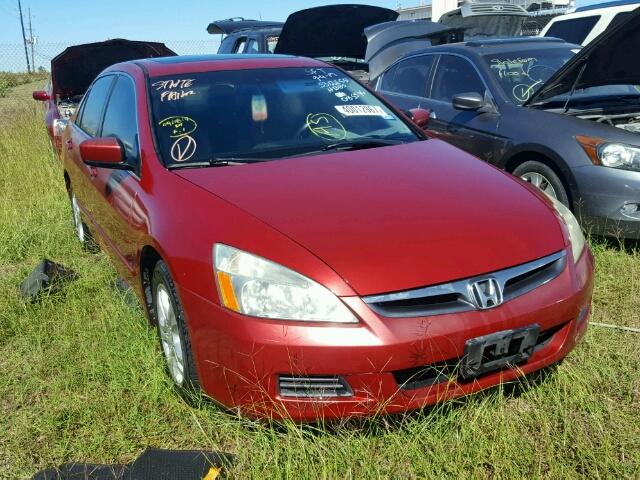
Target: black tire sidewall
[(533, 166), (162, 275)]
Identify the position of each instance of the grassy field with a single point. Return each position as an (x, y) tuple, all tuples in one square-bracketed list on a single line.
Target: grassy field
[(82, 377)]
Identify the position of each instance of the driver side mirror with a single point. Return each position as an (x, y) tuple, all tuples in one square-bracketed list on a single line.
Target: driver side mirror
[(40, 95), (104, 152), (470, 101), (419, 116)]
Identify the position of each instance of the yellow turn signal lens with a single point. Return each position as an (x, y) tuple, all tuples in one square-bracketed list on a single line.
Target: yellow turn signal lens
[(590, 146), (227, 293)]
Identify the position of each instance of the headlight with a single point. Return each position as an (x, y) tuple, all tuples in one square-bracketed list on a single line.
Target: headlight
[(615, 155), (254, 286), (59, 124), (575, 232)]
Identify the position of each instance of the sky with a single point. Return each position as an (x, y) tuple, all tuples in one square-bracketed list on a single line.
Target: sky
[(59, 22)]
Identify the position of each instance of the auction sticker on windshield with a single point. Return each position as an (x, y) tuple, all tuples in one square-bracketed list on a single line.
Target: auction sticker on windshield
[(362, 110)]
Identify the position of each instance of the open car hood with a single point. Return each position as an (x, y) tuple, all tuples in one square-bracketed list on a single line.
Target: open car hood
[(331, 31), (230, 25), (610, 59), (486, 19), (74, 69), (386, 42)]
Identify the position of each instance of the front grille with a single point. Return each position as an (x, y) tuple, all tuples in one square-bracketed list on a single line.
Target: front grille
[(313, 386), (419, 377), (455, 297)]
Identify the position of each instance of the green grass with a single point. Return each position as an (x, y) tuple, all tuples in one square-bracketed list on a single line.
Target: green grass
[(81, 377), (9, 80)]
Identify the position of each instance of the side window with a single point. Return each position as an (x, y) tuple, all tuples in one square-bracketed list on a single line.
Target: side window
[(120, 118), (239, 46), (573, 30), (455, 75), (94, 105), (227, 44), (386, 83), (412, 76), (252, 46)]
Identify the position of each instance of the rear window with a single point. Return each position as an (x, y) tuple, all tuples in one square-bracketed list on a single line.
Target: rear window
[(573, 30)]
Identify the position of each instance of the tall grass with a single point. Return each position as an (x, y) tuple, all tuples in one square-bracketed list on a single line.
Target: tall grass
[(81, 377)]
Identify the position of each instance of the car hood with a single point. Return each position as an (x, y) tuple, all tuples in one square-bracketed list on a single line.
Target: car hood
[(386, 42), (230, 25), (73, 70), (331, 31), (394, 218), (610, 59)]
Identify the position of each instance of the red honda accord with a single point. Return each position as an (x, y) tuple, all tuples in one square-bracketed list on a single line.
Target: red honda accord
[(305, 251)]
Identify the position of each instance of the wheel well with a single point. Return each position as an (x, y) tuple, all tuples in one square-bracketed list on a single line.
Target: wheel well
[(518, 159), (148, 259)]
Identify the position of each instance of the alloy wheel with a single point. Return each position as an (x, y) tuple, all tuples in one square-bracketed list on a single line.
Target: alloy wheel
[(170, 334), (77, 219), (540, 181)]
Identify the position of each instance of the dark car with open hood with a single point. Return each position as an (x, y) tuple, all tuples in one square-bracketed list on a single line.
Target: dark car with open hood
[(563, 118), (305, 250), (73, 70)]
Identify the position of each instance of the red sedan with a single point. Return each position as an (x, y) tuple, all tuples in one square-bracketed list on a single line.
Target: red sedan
[(305, 251)]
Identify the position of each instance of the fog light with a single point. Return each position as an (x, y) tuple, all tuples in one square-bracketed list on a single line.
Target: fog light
[(631, 210)]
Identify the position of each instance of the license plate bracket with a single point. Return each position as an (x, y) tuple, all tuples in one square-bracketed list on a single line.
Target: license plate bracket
[(497, 350)]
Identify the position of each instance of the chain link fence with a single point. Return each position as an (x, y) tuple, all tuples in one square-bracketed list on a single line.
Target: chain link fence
[(18, 78)]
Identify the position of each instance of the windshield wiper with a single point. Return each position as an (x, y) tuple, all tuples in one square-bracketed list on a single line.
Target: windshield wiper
[(216, 162), (361, 144)]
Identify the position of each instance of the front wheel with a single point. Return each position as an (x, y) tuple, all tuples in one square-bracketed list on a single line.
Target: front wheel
[(168, 315), (543, 177)]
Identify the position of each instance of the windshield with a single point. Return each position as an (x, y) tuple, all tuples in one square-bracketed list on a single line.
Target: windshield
[(521, 73), (266, 114)]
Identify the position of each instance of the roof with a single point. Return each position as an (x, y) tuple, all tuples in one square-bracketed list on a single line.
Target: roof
[(617, 3), (497, 45), (203, 63)]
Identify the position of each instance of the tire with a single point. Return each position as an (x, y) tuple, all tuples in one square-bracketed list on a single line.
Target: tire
[(168, 316), (543, 177), (82, 231)]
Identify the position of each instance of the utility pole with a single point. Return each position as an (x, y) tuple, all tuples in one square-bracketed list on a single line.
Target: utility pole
[(32, 41), (24, 38)]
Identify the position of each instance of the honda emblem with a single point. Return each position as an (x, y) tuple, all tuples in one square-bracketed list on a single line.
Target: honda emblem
[(486, 293)]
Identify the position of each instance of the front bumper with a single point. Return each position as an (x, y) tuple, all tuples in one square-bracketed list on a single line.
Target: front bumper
[(602, 193), (239, 359)]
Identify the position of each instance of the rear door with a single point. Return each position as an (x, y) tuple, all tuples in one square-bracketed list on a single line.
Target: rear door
[(115, 190), (405, 84), (473, 131)]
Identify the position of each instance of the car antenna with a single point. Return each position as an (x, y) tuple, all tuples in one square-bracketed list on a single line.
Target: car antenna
[(575, 84)]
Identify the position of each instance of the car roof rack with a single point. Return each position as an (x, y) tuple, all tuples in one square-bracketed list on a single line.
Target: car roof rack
[(506, 41), (616, 3)]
